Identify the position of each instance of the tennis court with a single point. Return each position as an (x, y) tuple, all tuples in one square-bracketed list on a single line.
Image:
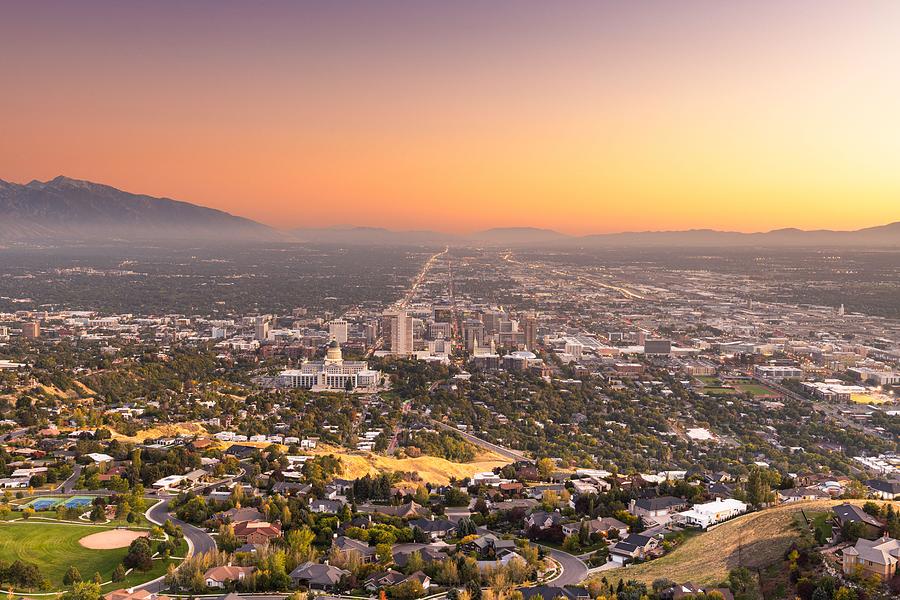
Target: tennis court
[(42, 503), (78, 501)]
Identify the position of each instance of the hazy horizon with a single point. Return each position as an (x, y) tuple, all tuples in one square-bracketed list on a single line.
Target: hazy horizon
[(594, 117)]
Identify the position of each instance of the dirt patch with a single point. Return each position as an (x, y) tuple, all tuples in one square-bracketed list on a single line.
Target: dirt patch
[(110, 539)]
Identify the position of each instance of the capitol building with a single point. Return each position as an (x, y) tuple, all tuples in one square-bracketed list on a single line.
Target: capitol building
[(332, 374)]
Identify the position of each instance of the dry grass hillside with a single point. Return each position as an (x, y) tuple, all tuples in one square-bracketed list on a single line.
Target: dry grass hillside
[(754, 540)]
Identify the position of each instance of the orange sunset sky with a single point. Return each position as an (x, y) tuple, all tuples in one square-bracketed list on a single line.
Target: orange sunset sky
[(578, 116)]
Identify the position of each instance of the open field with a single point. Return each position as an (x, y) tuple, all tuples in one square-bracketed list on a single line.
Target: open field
[(162, 431), (756, 390), (54, 547), (754, 540), (431, 469)]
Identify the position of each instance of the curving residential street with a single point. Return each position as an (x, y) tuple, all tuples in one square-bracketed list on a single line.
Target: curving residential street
[(574, 571), (198, 540)]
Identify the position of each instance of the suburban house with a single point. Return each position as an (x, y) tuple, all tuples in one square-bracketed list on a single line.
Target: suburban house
[(602, 526), (317, 576), (710, 513), (849, 513), (884, 489), (799, 494), (324, 505), (240, 515), (429, 554), (489, 543), (657, 509), (632, 547), (878, 557), (549, 592), (133, 594), (383, 579), (543, 519), (690, 590), (218, 577), (363, 552), (256, 532), (410, 510), (434, 529)]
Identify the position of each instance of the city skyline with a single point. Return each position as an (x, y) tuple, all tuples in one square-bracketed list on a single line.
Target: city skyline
[(599, 118)]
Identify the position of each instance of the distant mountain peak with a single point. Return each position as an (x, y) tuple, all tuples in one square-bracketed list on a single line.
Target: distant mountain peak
[(67, 208)]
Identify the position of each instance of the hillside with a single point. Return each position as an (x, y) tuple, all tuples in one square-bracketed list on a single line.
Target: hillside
[(71, 209), (755, 540)]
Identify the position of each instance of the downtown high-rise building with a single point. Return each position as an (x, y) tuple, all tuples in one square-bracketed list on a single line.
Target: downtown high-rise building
[(398, 328), (338, 330)]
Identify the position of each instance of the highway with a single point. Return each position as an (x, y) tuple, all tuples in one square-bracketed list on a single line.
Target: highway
[(501, 450), (420, 278)]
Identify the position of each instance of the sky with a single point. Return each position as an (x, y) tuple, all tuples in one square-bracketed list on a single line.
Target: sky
[(584, 117)]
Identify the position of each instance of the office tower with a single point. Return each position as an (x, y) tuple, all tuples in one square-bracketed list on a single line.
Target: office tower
[(530, 326), (262, 330), (337, 330), (473, 334), (491, 320), (31, 330), (400, 326)]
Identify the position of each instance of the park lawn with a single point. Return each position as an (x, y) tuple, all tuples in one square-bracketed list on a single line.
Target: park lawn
[(54, 547), (720, 391), (756, 540), (755, 389), (158, 570)]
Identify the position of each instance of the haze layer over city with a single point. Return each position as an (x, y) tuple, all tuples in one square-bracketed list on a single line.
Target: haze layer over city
[(460, 301)]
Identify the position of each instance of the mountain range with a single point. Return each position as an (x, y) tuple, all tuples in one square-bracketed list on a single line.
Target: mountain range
[(65, 209)]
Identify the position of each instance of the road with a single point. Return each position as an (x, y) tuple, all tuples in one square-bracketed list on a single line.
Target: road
[(420, 278), (199, 542), (68, 485), (574, 571), (501, 450)]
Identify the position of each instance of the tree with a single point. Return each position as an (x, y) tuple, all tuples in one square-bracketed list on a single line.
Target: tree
[(383, 552), (545, 467), (83, 591), (72, 576), (408, 590), (844, 593), (759, 488), (136, 466), (743, 584), (28, 512), (119, 572), (466, 527), (139, 555), (414, 562)]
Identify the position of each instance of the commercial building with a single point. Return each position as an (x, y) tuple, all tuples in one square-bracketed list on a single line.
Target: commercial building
[(657, 347), (398, 328), (338, 330), (778, 372), (31, 331)]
